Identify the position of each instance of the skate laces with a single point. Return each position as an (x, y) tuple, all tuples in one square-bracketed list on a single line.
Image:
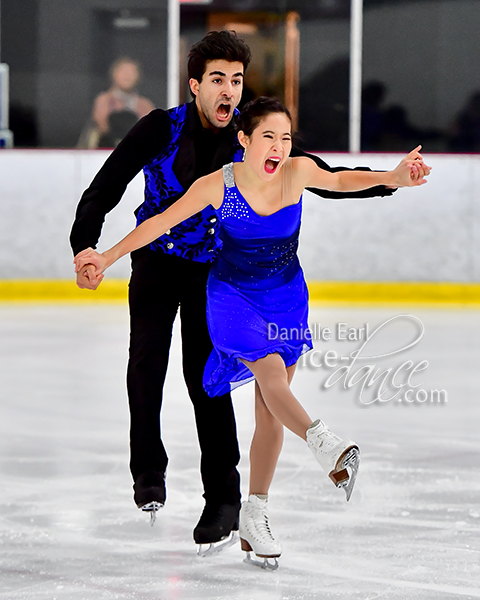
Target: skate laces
[(327, 440), (260, 521)]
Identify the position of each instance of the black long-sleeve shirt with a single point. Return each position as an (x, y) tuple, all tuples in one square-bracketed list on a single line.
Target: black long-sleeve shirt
[(200, 152)]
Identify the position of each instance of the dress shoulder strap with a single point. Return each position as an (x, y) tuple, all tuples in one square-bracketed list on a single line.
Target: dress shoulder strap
[(228, 177)]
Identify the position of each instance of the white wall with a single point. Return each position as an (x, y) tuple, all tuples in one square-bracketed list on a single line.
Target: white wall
[(430, 233), (39, 192)]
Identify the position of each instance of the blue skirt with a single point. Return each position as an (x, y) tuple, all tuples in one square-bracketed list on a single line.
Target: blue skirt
[(251, 323)]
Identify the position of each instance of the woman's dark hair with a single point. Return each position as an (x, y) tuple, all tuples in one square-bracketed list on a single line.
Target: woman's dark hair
[(217, 45), (253, 112)]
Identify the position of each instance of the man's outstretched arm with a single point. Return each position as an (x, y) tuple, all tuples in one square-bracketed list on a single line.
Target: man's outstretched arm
[(378, 190)]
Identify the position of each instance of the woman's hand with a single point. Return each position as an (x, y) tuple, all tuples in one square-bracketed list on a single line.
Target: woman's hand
[(411, 170), (83, 262), (86, 278)]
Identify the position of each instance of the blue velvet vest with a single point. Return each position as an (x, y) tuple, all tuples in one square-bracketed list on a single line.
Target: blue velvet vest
[(196, 238)]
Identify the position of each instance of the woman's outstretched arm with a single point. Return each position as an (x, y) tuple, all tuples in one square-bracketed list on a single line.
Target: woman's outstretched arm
[(411, 171), (205, 191)]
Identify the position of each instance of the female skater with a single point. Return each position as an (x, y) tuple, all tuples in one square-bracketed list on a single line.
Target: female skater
[(256, 288)]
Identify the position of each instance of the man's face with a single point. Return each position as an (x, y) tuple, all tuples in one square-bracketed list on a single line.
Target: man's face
[(218, 93)]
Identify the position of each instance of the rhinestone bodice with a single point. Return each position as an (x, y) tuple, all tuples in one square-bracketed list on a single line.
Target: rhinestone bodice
[(258, 252)]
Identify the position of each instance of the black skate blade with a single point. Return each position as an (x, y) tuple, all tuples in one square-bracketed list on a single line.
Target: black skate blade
[(350, 463), (152, 508), (263, 562), (217, 547)]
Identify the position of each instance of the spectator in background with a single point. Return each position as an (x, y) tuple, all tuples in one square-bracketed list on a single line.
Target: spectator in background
[(117, 110), (23, 123), (373, 95), (465, 133), (388, 128), (398, 130), (323, 114)]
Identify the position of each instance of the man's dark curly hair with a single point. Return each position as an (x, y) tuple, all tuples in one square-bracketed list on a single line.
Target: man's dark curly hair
[(217, 45)]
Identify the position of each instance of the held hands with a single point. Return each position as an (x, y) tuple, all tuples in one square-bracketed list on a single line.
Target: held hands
[(411, 171), (89, 266), (86, 279)]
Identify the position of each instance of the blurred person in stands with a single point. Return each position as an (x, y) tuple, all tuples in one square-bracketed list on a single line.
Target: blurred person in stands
[(465, 132), (117, 110), (373, 114)]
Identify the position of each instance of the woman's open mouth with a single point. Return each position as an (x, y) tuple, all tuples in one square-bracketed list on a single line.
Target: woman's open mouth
[(271, 164)]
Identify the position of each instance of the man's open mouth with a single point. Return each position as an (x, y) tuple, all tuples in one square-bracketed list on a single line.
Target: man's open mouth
[(223, 111), (271, 164)]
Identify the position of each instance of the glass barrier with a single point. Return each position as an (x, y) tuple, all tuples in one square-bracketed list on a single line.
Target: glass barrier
[(81, 73)]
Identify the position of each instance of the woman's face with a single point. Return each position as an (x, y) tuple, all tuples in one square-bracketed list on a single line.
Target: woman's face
[(269, 146)]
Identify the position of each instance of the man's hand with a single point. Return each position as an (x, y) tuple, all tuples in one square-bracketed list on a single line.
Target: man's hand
[(86, 278), (412, 170)]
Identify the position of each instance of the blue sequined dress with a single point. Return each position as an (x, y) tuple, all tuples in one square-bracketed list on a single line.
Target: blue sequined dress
[(257, 298)]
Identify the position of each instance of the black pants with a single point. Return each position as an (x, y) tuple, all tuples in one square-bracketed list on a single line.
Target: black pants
[(158, 286)]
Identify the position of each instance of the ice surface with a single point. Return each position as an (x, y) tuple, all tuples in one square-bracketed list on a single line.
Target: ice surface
[(69, 528)]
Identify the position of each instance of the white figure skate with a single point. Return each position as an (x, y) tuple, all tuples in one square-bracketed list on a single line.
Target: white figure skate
[(339, 458), (256, 536)]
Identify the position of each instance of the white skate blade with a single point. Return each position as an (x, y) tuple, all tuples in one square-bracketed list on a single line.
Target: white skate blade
[(204, 550), (349, 464), (152, 508), (262, 562)]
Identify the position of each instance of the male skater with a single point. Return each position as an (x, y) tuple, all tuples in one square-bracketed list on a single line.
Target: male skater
[(174, 148)]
